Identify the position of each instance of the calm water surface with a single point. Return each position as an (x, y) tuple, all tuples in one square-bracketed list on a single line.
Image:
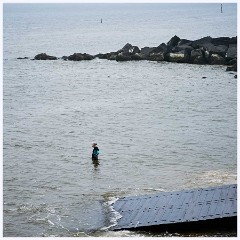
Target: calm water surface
[(159, 126)]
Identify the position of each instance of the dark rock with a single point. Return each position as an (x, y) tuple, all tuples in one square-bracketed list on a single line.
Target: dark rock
[(216, 59), (129, 48), (112, 55), (235, 76), (176, 57), (101, 56), (22, 58), (156, 57), (233, 40), (123, 57), (232, 62), (211, 48), (232, 68), (87, 56), (184, 42), (180, 48), (198, 43), (146, 51), (204, 77), (76, 57), (44, 56), (65, 58), (173, 41), (232, 51), (162, 48), (197, 57), (137, 56), (221, 41), (80, 57)]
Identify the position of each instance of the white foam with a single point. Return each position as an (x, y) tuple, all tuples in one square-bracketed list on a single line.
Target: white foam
[(114, 214)]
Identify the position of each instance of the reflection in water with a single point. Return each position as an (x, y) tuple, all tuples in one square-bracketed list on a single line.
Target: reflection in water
[(96, 163)]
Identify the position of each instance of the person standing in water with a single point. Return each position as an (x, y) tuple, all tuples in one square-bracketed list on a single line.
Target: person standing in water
[(95, 151)]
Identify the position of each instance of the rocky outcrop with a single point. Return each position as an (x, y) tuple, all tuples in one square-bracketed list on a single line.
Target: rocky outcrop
[(44, 56), (80, 57), (206, 50)]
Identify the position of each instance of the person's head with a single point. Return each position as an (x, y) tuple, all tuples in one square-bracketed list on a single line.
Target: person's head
[(94, 145)]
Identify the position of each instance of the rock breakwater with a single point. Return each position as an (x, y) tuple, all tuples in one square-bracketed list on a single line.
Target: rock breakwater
[(207, 50)]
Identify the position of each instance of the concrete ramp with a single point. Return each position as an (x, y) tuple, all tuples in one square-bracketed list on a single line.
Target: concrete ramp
[(186, 206)]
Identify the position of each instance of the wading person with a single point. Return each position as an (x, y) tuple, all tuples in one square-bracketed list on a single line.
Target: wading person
[(95, 151)]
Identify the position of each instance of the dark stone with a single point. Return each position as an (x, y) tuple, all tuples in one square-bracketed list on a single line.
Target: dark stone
[(162, 48), (233, 40), (123, 57), (232, 68), (232, 51), (137, 56), (176, 57), (232, 62), (80, 57), (184, 42), (87, 56), (44, 56), (146, 51), (180, 48), (216, 59), (173, 41), (22, 58), (197, 57), (65, 58), (101, 56), (211, 48), (199, 43), (129, 48), (156, 57), (221, 41), (76, 57), (235, 76), (112, 55)]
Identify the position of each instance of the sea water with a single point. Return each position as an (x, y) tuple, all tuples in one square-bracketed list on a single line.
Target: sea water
[(159, 126)]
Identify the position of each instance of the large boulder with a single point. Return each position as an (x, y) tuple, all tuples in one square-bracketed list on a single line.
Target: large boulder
[(200, 42), (211, 48), (156, 57), (176, 57), (233, 40), (216, 59), (101, 55), (80, 57), (129, 48), (232, 68), (112, 56), (221, 41), (44, 56), (145, 51), (173, 41), (137, 56), (232, 51), (182, 48), (123, 57), (197, 57), (162, 48)]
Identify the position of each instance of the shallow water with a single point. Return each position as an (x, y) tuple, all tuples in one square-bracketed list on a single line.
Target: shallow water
[(159, 127)]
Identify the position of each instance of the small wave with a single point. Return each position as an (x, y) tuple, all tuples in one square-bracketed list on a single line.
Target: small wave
[(114, 215), (211, 178)]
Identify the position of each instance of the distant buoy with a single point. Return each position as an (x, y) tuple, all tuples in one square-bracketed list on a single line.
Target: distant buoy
[(101, 20)]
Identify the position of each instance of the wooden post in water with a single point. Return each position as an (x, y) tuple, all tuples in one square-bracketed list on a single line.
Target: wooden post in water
[(221, 8)]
